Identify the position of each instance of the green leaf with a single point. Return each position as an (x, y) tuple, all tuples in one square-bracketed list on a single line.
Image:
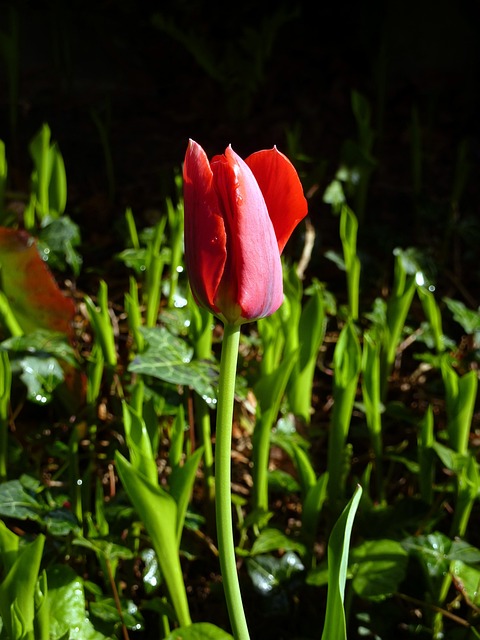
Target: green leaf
[(42, 342), (280, 481), (181, 485), (379, 568), (347, 360), (268, 572), (41, 376), (158, 511), (151, 576), (338, 547), (16, 502), (273, 540), (348, 234), (467, 581), (452, 460), (169, 358), (312, 506), (311, 331), (462, 550), (468, 319), (106, 610), (269, 392), (60, 522), (58, 183), (138, 442), (106, 548), (42, 609), (461, 395), (305, 470), (199, 631), (432, 550), (57, 241), (18, 587), (9, 543), (134, 258), (66, 599)]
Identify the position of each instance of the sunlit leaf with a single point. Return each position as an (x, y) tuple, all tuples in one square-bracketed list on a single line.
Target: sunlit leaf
[(158, 511), (268, 572), (67, 606), (41, 376), (338, 550), (151, 575), (199, 631), (467, 581), (18, 588)]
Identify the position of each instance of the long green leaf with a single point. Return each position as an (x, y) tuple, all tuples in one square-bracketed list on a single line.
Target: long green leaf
[(269, 392), (17, 590), (158, 512), (181, 484), (347, 363), (335, 627)]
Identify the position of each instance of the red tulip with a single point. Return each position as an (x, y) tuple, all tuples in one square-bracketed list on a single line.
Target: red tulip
[(239, 215)]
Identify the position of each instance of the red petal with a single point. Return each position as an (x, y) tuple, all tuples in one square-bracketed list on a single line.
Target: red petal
[(253, 271), (282, 190), (205, 241)]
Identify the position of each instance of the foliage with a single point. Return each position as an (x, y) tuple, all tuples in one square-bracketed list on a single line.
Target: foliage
[(106, 496)]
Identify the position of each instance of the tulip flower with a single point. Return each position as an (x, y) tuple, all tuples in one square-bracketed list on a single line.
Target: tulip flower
[(239, 215)]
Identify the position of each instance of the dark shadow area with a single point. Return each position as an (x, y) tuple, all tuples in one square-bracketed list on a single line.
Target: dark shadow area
[(123, 85)]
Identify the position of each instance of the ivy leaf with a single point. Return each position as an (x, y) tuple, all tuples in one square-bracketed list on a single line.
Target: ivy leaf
[(41, 376), (268, 572), (16, 502), (169, 358), (106, 610), (432, 550), (42, 342), (57, 241)]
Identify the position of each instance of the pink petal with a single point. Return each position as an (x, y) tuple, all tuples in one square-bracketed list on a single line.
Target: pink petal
[(252, 279)]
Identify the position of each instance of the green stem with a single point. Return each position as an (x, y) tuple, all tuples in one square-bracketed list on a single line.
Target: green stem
[(3, 449), (226, 548)]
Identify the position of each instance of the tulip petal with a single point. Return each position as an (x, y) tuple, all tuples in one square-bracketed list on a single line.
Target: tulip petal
[(205, 239), (281, 189), (253, 272)]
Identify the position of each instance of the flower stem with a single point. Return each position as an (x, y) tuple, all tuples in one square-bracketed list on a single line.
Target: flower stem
[(223, 446)]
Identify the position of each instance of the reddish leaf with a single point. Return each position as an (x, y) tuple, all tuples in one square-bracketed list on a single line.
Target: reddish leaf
[(34, 296)]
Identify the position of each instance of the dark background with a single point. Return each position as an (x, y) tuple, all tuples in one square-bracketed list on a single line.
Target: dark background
[(149, 75)]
